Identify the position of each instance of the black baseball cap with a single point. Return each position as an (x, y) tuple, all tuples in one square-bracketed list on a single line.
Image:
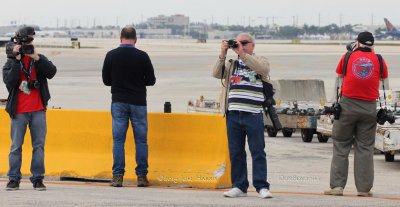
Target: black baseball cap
[(25, 31), (366, 38)]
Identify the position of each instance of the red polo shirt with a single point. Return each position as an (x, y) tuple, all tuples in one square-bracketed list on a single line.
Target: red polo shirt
[(28, 102), (362, 75)]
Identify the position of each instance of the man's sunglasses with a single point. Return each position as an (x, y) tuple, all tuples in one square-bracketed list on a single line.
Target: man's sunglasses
[(245, 42)]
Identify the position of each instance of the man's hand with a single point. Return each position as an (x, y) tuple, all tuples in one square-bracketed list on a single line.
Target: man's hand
[(34, 56), (16, 50), (224, 49), (239, 50)]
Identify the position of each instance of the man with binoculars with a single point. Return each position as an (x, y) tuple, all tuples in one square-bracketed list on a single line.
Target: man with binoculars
[(361, 70), (25, 74)]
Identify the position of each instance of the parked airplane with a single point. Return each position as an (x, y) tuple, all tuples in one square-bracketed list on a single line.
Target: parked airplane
[(391, 30)]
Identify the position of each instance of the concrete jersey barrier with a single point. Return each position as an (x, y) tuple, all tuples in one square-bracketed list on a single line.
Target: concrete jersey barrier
[(310, 90), (189, 150)]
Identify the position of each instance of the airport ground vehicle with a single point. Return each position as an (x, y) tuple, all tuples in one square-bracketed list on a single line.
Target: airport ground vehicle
[(299, 104), (203, 106)]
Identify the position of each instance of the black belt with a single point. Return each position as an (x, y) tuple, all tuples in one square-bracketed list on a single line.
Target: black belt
[(241, 112)]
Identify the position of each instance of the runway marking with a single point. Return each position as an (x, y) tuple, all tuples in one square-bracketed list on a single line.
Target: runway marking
[(210, 68), (165, 68), (197, 189), (281, 66), (183, 68), (55, 53)]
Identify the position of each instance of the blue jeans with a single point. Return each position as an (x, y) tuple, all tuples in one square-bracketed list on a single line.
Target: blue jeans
[(38, 129), (240, 124), (121, 113)]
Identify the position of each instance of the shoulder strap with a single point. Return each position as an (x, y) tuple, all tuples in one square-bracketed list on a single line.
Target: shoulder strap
[(223, 70), (235, 66), (383, 83), (380, 64), (346, 60)]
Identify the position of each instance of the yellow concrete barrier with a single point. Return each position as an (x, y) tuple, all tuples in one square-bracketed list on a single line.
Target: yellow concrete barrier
[(184, 149)]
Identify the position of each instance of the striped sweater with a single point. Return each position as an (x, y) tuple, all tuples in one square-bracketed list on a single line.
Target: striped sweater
[(258, 64), (246, 94)]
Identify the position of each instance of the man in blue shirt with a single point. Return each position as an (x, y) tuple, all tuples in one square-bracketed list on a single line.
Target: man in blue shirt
[(128, 71)]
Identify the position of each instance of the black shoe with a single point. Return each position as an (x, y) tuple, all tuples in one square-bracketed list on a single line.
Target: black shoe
[(12, 185), (38, 185), (142, 181), (117, 181)]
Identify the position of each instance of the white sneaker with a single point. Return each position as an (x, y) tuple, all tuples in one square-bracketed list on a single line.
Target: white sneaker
[(264, 193), (235, 192)]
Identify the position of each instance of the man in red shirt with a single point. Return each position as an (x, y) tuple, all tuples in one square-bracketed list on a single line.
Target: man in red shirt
[(25, 74), (357, 121)]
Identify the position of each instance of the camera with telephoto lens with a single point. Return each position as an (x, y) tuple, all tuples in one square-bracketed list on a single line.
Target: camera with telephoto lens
[(268, 105), (384, 115), (21, 36), (351, 46), (33, 84), (232, 44), (335, 110)]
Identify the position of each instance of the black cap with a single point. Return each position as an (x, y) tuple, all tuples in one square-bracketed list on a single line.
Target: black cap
[(25, 31), (366, 38)]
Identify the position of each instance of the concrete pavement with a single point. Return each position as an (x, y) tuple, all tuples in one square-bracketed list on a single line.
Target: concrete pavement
[(298, 173), (85, 194)]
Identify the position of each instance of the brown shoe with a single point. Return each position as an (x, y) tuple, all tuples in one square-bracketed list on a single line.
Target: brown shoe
[(142, 181), (117, 181), (364, 194)]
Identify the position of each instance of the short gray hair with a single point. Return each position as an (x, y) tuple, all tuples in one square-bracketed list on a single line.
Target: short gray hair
[(248, 35), (366, 46)]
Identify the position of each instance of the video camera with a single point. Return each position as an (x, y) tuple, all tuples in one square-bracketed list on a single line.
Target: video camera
[(21, 36)]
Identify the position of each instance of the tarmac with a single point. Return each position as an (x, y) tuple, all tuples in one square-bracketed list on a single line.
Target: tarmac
[(298, 171), (183, 69)]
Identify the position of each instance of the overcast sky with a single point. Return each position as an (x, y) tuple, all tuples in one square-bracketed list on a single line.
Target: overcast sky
[(122, 12)]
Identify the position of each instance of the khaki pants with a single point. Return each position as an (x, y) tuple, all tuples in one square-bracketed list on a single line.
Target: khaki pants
[(356, 126)]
